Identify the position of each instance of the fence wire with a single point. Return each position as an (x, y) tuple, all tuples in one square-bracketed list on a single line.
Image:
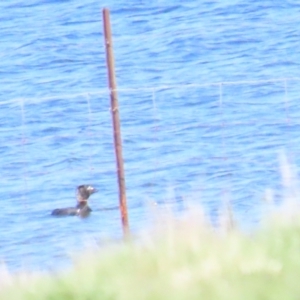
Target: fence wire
[(200, 140)]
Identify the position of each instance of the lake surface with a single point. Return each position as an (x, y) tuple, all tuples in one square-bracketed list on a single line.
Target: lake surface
[(209, 97)]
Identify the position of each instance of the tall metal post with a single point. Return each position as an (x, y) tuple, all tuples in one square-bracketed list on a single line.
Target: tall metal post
[(115, 120)]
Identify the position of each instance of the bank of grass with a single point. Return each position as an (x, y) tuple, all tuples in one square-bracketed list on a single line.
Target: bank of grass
[(182, 259)]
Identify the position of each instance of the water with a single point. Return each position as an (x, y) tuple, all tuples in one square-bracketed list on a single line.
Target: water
[(208, 98)]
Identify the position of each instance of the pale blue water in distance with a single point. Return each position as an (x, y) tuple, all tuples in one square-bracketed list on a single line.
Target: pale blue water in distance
[(208, 95)]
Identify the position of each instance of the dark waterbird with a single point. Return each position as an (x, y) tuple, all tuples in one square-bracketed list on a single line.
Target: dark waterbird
[(82, 208)]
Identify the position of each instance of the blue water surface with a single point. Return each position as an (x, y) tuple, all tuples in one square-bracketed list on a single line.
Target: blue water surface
[(208, 94)]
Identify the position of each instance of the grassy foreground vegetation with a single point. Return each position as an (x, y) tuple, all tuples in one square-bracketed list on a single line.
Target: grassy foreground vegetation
[(183, 259)]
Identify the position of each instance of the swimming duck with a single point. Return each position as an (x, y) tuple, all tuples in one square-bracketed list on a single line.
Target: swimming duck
[(82, 209)]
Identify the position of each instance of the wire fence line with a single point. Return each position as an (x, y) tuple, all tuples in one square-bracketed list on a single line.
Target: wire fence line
[(172, 134), (106, 91)]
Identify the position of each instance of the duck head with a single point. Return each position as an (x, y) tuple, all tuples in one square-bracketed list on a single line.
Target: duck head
[(84, 192)]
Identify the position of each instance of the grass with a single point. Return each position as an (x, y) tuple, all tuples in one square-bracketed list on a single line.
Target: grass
[(179, 259), (185, 260)]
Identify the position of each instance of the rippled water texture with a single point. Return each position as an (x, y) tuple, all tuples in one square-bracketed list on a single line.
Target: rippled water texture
[(208, 97)]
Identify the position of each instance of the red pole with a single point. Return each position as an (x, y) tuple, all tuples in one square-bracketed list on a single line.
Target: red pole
[(115, 120)]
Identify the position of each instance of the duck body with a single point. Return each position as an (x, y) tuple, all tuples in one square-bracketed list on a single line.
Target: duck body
[(82, 208)]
